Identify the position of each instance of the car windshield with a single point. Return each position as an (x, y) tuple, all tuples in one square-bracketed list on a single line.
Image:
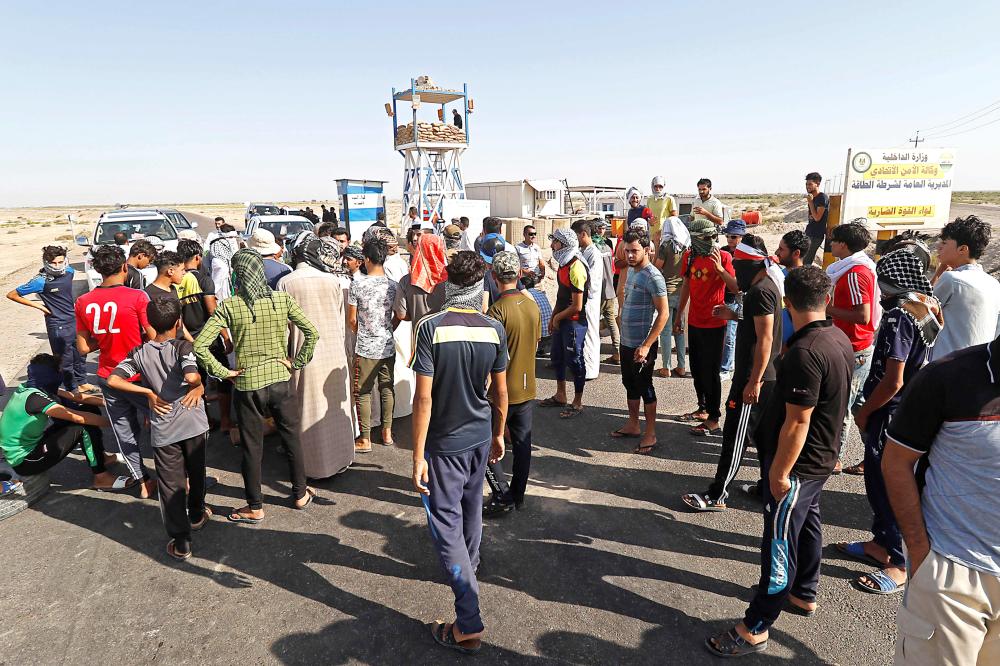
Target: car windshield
[(266, 210), (133, 230), (284, 229), (178, 220)]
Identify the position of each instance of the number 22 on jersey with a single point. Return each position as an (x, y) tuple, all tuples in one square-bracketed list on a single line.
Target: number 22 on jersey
[(93, 310)]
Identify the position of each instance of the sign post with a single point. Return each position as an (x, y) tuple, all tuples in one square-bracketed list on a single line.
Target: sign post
[(896, 190)]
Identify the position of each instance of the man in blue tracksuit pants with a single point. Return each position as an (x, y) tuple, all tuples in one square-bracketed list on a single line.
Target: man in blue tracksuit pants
[(799, 438), (455, 433), (54, 287)]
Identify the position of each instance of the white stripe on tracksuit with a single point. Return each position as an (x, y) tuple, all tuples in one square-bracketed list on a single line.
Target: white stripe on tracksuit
[(738, 447), (857, 298)]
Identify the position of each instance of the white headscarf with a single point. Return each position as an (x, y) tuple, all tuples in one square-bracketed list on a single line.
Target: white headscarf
[(675, 232), (630, 192), (658, 180), (570, 246)]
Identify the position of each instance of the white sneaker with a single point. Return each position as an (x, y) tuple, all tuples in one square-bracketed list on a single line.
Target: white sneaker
[(725, 376)]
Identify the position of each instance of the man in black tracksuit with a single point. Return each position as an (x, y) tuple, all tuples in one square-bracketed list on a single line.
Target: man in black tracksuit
[(799, 437), (758, 342)]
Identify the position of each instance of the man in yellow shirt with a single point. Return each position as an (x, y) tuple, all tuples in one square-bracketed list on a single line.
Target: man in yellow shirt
[(661, 204)]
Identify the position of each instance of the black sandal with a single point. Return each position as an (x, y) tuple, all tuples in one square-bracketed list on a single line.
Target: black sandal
[(172, 551), (731, 644), (445, 637)]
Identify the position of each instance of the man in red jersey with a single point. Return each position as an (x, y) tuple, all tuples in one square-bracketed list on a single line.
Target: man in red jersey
[(855, 310), (708, 273), (112, 319)]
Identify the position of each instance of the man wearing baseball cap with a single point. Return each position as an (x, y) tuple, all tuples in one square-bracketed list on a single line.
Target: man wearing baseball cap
[(262, 242), (521, 318), (452, 240), (734, 231)]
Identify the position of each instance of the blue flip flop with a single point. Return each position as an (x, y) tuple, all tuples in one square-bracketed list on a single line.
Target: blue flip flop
[(886, 585), (856, 550)]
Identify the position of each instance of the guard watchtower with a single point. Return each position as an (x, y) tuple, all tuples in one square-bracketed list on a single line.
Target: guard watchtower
[(431, 150)]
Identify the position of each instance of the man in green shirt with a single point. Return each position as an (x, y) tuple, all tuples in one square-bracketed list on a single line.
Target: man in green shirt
[(522, 320), (257, 319), (31, 443)]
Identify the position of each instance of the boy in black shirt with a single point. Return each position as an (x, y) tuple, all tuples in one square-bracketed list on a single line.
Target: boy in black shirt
[(198, 302), (758, 341), (799, 438)]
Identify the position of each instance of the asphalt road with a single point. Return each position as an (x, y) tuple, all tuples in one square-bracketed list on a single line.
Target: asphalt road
[(602, 567)]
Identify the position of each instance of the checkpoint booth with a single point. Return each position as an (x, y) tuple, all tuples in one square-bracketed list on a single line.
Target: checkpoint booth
[(361, 201)]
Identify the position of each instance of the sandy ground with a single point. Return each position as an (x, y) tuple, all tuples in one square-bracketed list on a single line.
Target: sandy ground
[(602, 566)]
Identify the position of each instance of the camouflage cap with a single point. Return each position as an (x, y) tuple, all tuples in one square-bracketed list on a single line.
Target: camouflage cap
[(506, 265)]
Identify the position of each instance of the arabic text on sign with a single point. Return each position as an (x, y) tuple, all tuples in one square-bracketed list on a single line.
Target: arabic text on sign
[(881, 171)]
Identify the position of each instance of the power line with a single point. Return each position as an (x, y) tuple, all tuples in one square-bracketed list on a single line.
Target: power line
[(944, 136), (989, 108)]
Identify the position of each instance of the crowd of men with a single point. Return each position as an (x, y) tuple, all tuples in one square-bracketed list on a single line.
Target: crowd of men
[(298, 335)]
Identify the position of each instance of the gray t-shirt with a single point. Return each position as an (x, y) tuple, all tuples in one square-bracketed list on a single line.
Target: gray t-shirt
[(162, 366), (376, 297), (951, 413)]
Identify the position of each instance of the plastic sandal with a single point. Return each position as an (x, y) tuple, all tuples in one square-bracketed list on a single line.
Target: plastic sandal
[(445, 637), (120, 484), (731, 644), (570, 412), (856, 550), (172, 552), (703, 503), (886, 585)]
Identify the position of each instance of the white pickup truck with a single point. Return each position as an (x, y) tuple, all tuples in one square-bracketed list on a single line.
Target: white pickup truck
[(136, 225)]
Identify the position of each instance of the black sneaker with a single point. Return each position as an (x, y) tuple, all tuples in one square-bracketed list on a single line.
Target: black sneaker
[(753, 490), (495, 508)]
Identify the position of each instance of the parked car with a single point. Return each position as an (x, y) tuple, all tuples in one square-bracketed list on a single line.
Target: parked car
[(136, 225), (260, 209), (282, 226), (177, 218)]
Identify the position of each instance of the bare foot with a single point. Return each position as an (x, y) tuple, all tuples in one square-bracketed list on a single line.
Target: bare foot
[(147, 489), (805, 605), (104, 480), (247, 512), (753, 639), (876, 552), (459, 636), (306, 499)]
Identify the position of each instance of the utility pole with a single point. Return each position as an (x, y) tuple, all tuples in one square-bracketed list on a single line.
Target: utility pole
[(916, 140)]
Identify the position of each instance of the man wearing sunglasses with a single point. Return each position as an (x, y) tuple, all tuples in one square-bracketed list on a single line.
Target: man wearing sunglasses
[(530, 254)]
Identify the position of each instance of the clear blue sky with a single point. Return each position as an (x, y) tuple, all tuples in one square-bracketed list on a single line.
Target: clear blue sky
[(228, 101)]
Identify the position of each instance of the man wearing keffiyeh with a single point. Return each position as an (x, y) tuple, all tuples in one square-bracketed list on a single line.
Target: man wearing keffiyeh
[(910, 323), (258, 319)]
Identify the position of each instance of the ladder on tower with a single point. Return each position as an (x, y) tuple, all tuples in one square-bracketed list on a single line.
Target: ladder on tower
[(567, 199)]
